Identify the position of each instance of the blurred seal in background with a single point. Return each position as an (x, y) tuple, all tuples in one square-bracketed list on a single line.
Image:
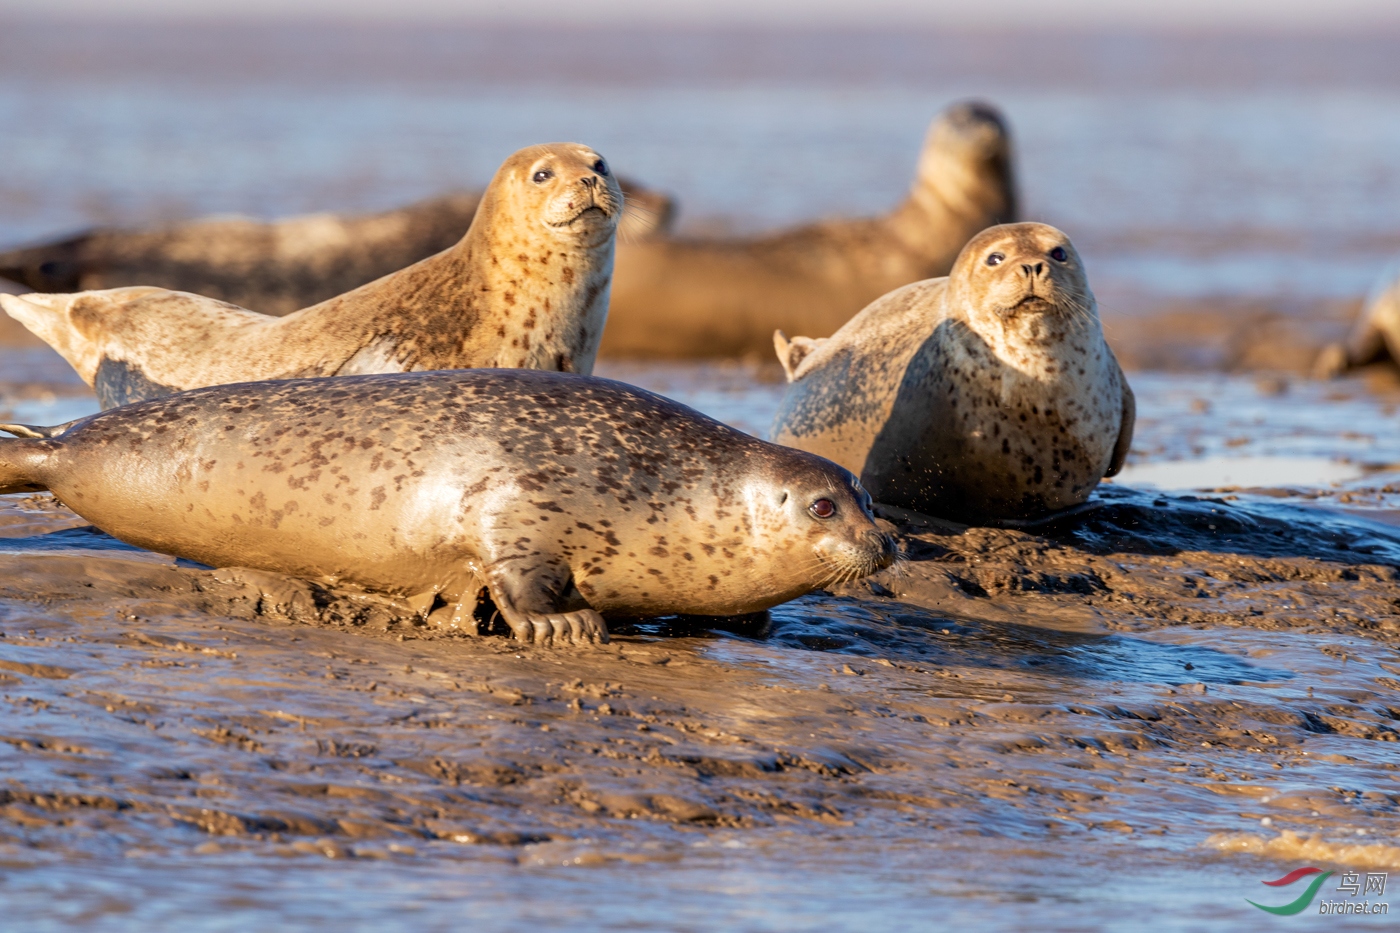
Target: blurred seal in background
[(277, 267), (1374, 337), (989, 395), (527, 287), (688, 297)]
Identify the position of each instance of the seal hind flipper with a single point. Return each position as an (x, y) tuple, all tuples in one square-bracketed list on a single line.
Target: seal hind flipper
[(1125, 430), (791, 352), (21, 462)]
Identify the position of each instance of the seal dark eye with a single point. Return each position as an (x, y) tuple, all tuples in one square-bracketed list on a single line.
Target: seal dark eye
[(996, 259), (1058, 254), (542, 176), (823, 508), (601, 168)]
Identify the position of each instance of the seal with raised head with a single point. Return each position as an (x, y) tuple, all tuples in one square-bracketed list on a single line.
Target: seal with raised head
[(526, 287), (276, 267), (986, 395), (1374, 337), (565, 497), (687, 297)]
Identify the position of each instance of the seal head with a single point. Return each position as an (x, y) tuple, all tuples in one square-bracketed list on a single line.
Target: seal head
[(565, 188)]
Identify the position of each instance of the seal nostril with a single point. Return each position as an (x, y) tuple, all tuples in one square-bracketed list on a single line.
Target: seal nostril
[(590, 180)]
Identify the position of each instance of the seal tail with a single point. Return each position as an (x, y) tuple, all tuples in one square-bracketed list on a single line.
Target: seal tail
[(37, 430), (47, 317), (22, 462)]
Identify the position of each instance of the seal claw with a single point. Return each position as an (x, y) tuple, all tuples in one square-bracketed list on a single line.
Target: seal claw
[(557, 629)]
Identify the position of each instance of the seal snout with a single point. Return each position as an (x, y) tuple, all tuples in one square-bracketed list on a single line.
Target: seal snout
[(882, 549)]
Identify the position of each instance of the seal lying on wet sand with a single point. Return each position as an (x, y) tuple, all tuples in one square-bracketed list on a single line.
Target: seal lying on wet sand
[(687, 297), (564, 496), (276, 267), (986, 395), (526, 287)]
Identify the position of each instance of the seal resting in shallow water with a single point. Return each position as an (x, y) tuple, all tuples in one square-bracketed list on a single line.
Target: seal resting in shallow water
[(276, 267), (987, 395), (686, 297), (563, 496), (526, 287)]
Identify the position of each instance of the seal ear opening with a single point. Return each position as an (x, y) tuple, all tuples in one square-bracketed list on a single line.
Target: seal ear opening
[(792, 352)]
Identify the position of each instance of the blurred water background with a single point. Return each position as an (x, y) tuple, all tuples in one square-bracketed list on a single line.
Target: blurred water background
[(1188, 169)]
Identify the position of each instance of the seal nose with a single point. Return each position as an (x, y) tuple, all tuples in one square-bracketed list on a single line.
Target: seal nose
[(1033, 269), (883, 547), (589, 181)]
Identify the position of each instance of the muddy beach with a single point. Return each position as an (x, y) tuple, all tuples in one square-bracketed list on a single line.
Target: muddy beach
[(1147, 706)]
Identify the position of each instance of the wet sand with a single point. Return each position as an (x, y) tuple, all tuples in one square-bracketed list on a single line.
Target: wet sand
[(1149, 707)]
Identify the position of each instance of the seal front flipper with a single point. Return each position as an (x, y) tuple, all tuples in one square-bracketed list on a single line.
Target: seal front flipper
[(791, 352), (537, 603), (1125, 429)]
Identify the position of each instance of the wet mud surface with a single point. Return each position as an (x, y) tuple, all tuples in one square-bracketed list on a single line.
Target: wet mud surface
[(1150, 705)]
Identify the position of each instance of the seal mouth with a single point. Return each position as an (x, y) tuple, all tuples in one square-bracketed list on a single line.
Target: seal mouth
[(1034, 304), (592, 212)]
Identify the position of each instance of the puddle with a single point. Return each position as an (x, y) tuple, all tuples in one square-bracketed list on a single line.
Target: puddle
[(1238, 472)]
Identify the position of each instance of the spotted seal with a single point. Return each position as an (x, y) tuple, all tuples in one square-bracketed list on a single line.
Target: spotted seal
[(526, 287), (688, 296), (987, 395), (276, 267), (565, 497)]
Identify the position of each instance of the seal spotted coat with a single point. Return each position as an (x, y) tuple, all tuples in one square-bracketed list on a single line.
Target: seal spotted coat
[(987, 395), (526, 287), (563, 497)]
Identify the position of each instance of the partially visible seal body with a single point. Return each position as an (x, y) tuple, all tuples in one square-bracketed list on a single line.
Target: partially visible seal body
[(277, 267), (564, 496), (686, 297), (987, 395), (526, 287), (1374, 337)]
